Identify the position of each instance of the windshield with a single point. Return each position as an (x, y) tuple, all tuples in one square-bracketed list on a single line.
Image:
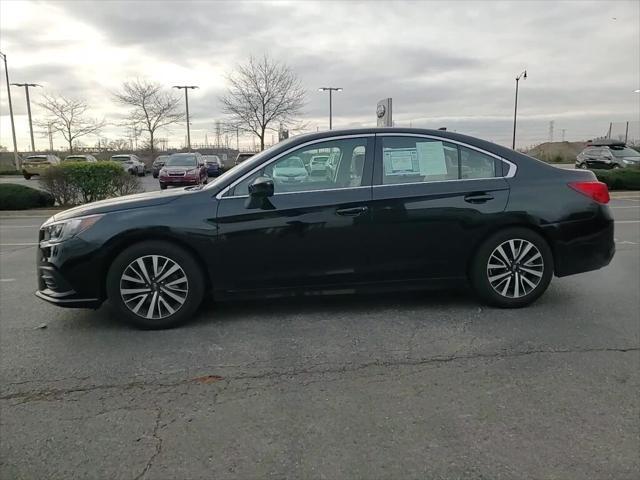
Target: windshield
[(121, 158), (37, 158), (182, 161), (76, 158), (624, 152)]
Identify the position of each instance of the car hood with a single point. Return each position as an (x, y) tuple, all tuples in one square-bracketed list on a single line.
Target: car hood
[(138, 200)]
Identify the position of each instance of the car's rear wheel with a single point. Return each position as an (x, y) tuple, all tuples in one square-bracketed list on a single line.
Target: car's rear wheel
[(512, 268), (163, 187), (26, 176), (155, 285)]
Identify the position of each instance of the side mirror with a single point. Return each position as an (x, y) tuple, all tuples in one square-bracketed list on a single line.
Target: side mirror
[(261, 187)]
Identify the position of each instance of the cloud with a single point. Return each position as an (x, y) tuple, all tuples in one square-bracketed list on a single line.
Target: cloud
[(452, 62)]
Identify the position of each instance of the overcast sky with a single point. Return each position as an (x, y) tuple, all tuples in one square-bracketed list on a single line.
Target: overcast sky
[(447, 64)]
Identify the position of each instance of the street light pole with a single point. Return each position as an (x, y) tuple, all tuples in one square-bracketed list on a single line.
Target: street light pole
[(523, 75), (330, 90), (16, 159), (26, 89), (186, 101)]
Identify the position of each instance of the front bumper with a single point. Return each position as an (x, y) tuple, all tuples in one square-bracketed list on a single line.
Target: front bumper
[(179, 181)]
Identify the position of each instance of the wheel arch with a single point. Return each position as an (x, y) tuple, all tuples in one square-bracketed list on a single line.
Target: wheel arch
[(512, 224), (127, 240)]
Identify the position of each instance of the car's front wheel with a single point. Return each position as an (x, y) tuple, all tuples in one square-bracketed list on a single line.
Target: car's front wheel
[(512, 268), (155, 285)]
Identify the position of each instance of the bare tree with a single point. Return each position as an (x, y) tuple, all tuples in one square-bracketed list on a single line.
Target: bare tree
[(68, 117), (151, 107), (262, 94)]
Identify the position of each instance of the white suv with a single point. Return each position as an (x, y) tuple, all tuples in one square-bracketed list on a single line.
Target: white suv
[(131, 163)]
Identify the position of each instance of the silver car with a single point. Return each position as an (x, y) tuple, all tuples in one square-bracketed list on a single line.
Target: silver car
[(609, 156), (131, 163)]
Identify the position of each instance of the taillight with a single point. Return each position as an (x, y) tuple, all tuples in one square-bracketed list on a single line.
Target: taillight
[(595, 190)]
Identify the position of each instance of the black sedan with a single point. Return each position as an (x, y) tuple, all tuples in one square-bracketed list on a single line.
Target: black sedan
[(402, 208)]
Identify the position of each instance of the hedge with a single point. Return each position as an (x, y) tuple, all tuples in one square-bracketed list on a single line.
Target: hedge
[(620, 178), (21, 197), (74, 183)]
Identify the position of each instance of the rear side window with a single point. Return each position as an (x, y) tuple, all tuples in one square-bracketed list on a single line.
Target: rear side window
[(416, 159), (474, 164)]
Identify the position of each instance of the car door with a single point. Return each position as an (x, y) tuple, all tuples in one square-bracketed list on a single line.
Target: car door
[(433, 199), (310, 232)]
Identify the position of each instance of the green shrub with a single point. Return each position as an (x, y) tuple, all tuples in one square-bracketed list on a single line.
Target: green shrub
[(21, 197), (10, 172), (620, 178), (74, 183)]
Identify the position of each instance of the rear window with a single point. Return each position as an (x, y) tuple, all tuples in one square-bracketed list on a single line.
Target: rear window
[(37, 158), (120, 158), (624, 152)]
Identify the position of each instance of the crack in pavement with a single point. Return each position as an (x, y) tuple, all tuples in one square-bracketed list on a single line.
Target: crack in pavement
[(45, 395), (158, 448)]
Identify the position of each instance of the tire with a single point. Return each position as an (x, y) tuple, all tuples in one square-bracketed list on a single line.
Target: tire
[(142, 174), (163, 187), (165, 305), (155, 175), (512, 286), (26, 176)]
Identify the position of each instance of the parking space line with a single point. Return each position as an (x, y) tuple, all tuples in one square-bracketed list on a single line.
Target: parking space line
[(18, 244), (627, 221)]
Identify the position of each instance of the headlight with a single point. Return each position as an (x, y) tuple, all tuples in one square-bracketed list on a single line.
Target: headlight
[(56, 232)]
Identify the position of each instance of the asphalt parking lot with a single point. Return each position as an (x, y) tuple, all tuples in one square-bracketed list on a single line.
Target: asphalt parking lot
[(410, 385)]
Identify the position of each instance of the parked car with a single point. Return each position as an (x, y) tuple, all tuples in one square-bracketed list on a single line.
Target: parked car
[(242, 156), (318, 165), (157, 165), (37, 164), (607, 156), (80, 158), (183, 169), (213, 164), (398, 213), (131, 163), (290, 170)]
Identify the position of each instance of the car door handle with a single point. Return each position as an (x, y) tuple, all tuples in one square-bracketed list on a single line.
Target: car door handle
[(351, 212), (478, 198)]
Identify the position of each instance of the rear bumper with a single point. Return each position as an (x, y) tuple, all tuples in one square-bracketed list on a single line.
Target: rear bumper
[(583, 246)]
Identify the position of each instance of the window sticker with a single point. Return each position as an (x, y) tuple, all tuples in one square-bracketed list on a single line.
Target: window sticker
[(401, 161), (431, 158)]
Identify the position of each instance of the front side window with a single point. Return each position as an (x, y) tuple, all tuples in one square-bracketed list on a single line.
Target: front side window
[(414, 159), (298, 171)]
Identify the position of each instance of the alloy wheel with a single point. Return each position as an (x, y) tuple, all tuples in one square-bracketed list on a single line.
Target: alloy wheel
[(154, 287), (515, 268)]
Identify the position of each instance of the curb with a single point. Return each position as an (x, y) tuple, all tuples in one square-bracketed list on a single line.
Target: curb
[(32, 213)]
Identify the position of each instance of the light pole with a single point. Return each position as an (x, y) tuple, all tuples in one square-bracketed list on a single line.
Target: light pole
[(523, 75), (330, 90), (26, 89), (16, 159), (186, 88)]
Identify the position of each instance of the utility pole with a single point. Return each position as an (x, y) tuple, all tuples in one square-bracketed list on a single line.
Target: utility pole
[(626, 133), (563, 130), (26, 89), (609, 134), (237, 139), (16, 158), (186, 88), (551, 124), (330, 90), (522, 75)]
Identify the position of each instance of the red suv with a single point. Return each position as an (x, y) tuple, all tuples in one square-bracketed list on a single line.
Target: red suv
[(182, 169)]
